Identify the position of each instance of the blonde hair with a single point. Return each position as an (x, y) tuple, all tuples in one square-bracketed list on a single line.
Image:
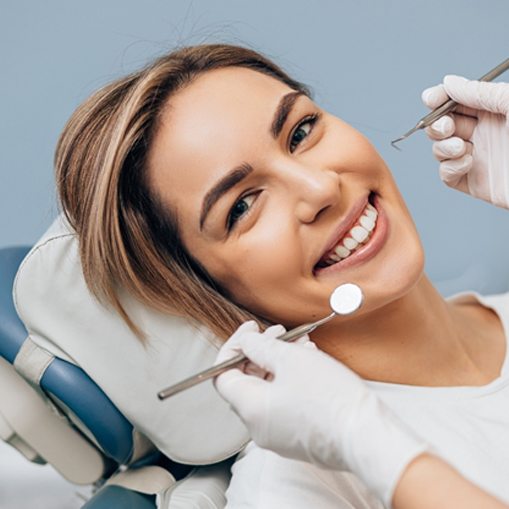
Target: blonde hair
[(128, 240)]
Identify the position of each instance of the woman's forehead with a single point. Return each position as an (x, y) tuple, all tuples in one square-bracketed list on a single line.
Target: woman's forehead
[(235, 85), (219, 120), (220, 103)]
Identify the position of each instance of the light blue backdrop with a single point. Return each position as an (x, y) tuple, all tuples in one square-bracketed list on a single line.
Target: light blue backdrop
[(367, 61)]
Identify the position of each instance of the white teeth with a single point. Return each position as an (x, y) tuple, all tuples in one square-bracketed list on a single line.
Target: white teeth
[(350, 243), (359, 233), (342, 251), (367, 223), (371, 212)]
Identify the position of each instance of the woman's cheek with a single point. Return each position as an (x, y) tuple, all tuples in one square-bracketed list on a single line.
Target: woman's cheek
[(268, 264)]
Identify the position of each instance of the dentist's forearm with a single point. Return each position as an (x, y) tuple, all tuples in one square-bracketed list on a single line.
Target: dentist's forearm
[(430, 483)]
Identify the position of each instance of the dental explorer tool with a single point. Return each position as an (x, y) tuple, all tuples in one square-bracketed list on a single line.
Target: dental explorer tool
[(449, 105), (345, 299)]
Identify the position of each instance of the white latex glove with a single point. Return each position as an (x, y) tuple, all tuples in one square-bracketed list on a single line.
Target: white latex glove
[(472, 144), (315, 409)]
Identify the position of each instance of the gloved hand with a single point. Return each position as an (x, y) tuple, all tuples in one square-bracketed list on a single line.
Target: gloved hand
[(472, 144), (315, 409)]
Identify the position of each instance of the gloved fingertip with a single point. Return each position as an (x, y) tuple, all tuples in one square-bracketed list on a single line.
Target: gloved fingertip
[(450, 148), (434, 96), (444, 126), (426, 93), (231, 347), (451, 80), (452, 170), (275, 330), (468, 161), (457, 145), (431, 134), (303, 340), (249, 326), (262, 350)]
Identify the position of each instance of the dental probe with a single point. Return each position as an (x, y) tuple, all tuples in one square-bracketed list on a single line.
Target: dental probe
[(345, 299), (449, 105)]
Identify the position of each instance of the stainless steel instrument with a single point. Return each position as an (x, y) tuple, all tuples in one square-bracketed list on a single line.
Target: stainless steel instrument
[(449, 105), (345, 299)]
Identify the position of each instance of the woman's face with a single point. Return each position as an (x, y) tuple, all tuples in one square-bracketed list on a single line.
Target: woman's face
[(265, 183)]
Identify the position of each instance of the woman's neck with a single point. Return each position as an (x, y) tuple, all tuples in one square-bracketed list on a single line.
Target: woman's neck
[(419, 339)]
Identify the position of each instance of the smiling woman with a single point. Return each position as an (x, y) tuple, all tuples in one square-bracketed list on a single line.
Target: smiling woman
[(127, 237), (211, 185), (265, 184)]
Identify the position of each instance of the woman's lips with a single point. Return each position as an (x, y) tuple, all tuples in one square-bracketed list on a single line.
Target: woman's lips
[(346, 225), (368, 250)]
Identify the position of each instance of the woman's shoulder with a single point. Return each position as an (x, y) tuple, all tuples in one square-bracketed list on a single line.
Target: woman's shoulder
[(497, 303), (499, 300), (263, 479)]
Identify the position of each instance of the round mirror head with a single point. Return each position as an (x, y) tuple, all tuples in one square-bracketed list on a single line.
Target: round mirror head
[(346, 299)]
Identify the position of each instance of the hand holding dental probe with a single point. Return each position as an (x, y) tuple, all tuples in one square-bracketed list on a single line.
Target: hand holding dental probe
[(313, 408), (472, 144), (448, 105), (344, 300)]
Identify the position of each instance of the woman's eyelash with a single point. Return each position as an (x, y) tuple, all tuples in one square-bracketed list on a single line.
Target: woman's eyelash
[(241, 208), (237, 212), (299, 134)]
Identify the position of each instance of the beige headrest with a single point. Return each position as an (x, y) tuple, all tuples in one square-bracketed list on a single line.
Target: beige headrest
[(61, 315)]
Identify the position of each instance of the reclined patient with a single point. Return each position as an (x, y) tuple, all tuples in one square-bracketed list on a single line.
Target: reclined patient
[(210, 185)]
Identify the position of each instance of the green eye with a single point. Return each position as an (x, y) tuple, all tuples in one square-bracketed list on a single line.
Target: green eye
[(239, 209), (301, 132)]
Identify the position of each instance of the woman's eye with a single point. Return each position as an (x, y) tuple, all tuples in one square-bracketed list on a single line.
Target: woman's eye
[(301, 132), (239, 210)]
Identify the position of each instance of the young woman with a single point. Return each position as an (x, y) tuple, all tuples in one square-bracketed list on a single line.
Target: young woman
[(211, 185), (351, 428)]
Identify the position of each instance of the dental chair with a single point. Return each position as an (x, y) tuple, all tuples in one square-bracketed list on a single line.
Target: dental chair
[(92, 413), (79, 391)]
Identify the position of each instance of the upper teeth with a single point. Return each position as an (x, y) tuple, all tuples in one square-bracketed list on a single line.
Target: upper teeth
[(359, 234)]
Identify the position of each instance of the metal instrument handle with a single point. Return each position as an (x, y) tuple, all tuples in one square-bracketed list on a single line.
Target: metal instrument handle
[(236, 361), (449, 105)]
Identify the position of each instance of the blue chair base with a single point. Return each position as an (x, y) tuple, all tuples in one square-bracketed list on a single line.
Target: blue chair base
[(116, 497)]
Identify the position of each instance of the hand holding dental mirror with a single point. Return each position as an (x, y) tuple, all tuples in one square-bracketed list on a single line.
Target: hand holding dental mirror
[(345, 299), (314, 408)]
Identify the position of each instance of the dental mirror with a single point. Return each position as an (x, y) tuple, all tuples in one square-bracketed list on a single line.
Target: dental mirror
[(345, 300)]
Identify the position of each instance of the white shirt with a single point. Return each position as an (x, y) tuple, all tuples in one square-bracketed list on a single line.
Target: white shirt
[(262, 479), (467, 426)]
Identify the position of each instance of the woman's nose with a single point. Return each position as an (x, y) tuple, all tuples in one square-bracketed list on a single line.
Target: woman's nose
[(315, 189)]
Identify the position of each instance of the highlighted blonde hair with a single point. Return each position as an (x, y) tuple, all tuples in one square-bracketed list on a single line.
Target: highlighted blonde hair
[(128, 239)]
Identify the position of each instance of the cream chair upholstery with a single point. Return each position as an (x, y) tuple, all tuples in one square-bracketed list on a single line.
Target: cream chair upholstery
[(67, 324)]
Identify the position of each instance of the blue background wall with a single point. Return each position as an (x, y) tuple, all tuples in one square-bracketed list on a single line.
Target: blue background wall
[(367, 61)]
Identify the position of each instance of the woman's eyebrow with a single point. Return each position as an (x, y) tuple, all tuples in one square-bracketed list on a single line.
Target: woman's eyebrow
[(233, 177), (282, 111), (222, 186)]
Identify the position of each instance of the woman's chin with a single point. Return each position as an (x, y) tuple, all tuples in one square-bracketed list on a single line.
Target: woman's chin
[(390, 270)]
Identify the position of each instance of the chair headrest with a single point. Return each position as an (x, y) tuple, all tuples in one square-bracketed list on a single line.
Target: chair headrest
[(61, 316)]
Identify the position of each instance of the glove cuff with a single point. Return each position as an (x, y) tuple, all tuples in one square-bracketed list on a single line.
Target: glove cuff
[(378, 447)]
